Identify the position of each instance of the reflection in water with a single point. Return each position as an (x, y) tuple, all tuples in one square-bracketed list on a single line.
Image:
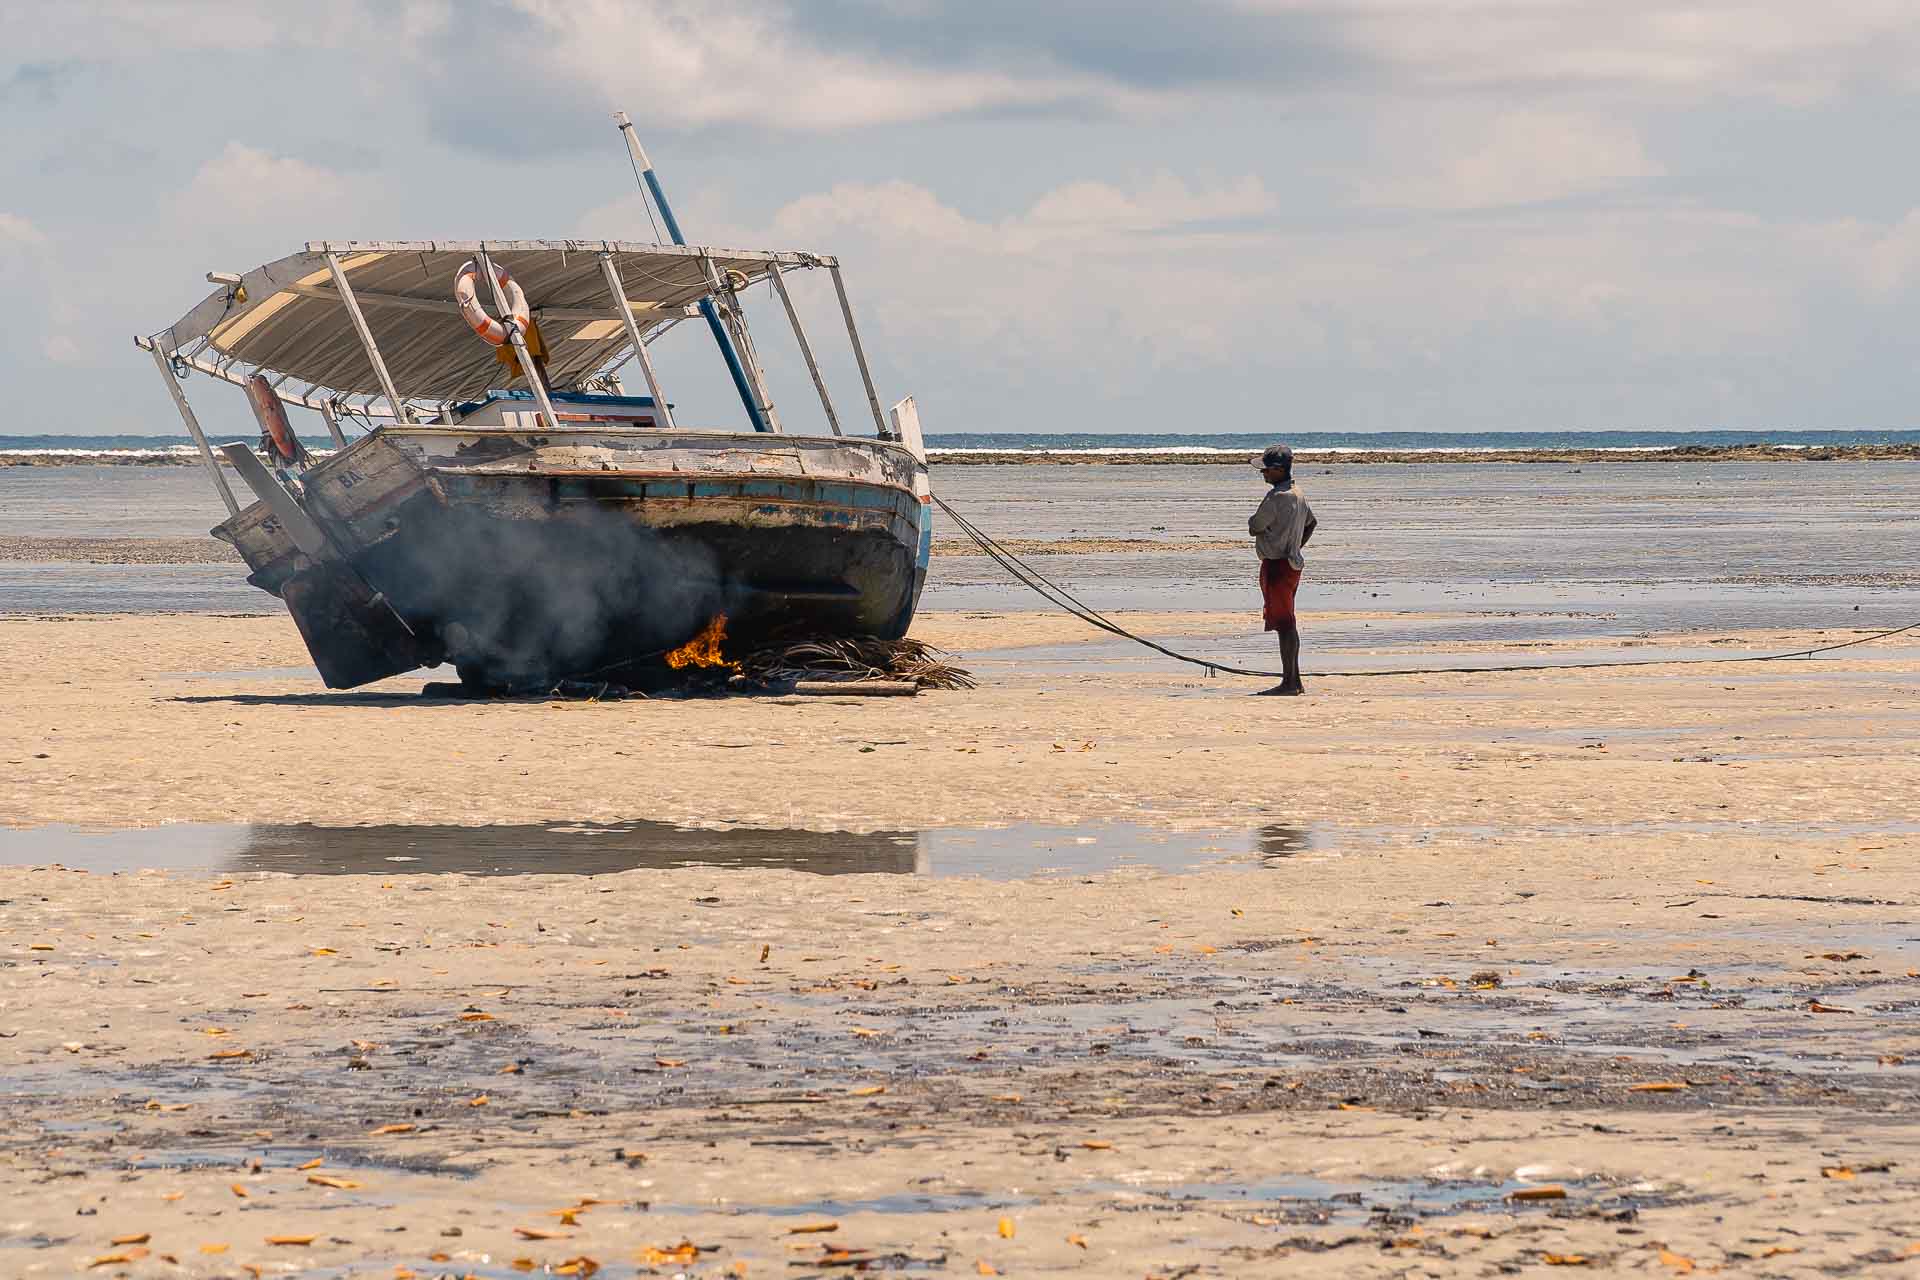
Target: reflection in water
[(1276, 841), (569, 849), (577, 848)]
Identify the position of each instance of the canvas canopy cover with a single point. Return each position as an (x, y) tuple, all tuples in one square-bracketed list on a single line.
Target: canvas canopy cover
[(287, 320)]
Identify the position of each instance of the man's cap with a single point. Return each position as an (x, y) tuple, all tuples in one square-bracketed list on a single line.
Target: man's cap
[(1278, 457)]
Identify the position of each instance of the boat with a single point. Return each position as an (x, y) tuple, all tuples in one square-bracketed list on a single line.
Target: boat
[(507, 504)]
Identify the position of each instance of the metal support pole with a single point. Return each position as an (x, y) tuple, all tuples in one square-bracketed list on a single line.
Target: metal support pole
[(333, 424), (707, 309), (619, 292), (366, 337), (193, 429), (806, 348), (859, 355), (737, 326), (519, 340)]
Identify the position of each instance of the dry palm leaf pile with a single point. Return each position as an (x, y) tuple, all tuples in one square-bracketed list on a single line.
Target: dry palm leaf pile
[(856, 659)]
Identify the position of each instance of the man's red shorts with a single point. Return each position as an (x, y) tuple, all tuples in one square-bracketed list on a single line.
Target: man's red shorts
[(1278, 582)]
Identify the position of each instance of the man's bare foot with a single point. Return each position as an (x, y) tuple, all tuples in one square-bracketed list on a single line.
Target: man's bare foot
[(1283, 691)]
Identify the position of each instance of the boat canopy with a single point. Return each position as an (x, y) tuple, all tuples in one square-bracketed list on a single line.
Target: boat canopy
[(288, 320)]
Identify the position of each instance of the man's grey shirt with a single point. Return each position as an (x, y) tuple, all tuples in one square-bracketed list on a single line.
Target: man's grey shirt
[(1280, 525)]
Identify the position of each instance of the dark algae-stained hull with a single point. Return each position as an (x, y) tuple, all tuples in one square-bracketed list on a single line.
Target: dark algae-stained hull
[(523, 557)]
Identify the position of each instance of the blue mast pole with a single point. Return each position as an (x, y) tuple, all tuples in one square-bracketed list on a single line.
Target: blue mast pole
[(707, 309)]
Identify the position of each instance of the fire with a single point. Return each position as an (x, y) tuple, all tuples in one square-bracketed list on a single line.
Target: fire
[(704, 649)]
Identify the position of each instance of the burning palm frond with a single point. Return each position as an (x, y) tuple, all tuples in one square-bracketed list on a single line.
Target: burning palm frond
[(857, 659)]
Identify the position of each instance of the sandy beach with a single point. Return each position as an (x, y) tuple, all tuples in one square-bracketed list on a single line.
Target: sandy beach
[(1603, 968)]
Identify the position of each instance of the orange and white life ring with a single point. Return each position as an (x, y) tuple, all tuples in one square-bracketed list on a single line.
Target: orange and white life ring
[(491, 331), (272, 416)]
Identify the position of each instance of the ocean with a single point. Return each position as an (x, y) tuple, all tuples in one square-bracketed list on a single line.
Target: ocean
[(85, 447), (1466, 553)]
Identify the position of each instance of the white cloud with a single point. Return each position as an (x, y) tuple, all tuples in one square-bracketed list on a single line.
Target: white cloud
[(246, 185), (710, 62), (1788, 51), (1091, 272), (1485, 159)]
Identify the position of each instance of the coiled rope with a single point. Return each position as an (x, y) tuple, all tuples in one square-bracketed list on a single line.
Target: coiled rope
[(1061, 598)]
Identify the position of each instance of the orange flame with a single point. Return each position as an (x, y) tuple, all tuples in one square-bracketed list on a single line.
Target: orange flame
[(704, 649)]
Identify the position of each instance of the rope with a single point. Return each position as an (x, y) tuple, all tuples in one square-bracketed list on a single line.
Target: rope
[(1060, 597), (645, 202)]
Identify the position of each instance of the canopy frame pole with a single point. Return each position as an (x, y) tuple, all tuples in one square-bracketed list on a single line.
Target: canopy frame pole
[(619, 292), (535, 379), (328, 412), (707, 308), (400, 414), (736, 319), (806, 348), (165, 366), (859, 353)]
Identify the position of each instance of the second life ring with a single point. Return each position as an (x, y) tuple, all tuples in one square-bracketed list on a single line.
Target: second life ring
[(491, 331), (275, 431)]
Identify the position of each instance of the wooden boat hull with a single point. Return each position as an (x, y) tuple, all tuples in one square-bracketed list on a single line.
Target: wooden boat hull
[(524, 558)]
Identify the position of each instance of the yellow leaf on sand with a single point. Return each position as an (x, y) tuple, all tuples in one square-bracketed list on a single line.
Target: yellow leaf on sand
[(1077, 1241), (868, 1091), (323, 951), (1774, 1251), (239, 1190), (1838, 1172), (474, 1015), (865, 1031), (985, 1268), (292, 1240), (1679, 1262), (1097, 1144), (391, 1128), (226, 1054), (1538, 1193), (669, 1062), (314, 1163), (214, 1248), (142, 1238), (1564, 1259), (1006, 1228), (480, 1100), (511, 1069), (1658, 1086), (338, 1184), (685, 1251), (112, 1259), (1006, 1097), (538, 1233), (171, 1196), (812, 1228)]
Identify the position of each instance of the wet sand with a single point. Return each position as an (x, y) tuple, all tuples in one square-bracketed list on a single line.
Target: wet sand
[(1648, 937), (1211, 457)]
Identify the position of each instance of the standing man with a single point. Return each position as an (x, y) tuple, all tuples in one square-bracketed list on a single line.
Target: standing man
[(1281, 527)]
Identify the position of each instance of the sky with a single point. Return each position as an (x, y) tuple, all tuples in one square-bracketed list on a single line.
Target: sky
[(1216, 215)]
